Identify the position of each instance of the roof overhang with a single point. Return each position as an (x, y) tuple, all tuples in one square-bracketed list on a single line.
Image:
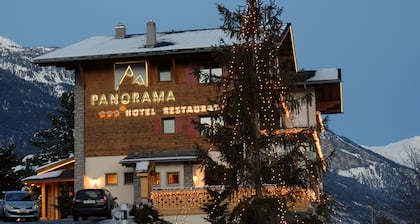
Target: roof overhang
[(164, 156), (55, 165), (160, 159), (52, 176), (73, 61), (328, 88)]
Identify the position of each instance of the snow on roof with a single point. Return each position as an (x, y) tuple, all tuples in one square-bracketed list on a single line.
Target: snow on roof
[(52, 174), (71, 156), (327, 74), (100, 47), (56, 175)]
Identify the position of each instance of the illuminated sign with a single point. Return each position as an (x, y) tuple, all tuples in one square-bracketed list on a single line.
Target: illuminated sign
[(140, 104), (136, 70), (134, 98), (152, 111)]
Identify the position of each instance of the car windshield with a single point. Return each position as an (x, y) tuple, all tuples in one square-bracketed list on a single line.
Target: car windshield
[(24, 196), (90, 194)]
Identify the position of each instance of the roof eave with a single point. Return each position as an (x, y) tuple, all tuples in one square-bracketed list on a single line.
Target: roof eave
[(75, 60), (160, 159)]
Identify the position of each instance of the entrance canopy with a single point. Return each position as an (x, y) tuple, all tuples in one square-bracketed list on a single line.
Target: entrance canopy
[(141, 159), (52, 176)]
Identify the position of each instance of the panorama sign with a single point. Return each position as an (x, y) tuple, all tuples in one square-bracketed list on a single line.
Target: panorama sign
[(140, 103)]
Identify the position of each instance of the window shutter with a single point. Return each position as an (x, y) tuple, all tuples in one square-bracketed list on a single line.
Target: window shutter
[(156, 126), (191, 130), (179, 125), (189, 76)]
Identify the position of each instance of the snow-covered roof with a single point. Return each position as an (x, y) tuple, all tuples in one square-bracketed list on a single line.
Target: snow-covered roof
[(110, 47), (48, 175), (320, 76), (55, 175), (105, 47), (56, 164), (325, 75)]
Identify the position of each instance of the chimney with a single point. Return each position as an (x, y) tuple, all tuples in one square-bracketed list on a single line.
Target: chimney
[(151, 34), (120, 31)]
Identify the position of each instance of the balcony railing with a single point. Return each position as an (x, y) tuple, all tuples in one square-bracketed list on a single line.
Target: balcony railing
[(190, 201)]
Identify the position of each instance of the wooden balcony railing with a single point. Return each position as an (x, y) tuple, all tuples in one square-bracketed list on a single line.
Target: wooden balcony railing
[(190, 201)]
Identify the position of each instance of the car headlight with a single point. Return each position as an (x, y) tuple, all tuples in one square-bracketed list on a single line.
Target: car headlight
[(8, 207), (35, 207)]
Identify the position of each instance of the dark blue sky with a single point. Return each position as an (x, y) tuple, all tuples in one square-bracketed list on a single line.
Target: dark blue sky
[(376, 43)]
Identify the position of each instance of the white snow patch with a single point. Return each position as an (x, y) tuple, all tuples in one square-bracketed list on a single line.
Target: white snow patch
[(364, 175), (399, 152), (10, 45), (357, 155), (18, 168), (4, 42)]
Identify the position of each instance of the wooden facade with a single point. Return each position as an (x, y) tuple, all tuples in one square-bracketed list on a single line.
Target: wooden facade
[(122, 104), (111, 135)]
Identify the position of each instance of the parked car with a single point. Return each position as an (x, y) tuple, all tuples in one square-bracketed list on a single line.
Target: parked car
[(18, 205), (93, 202)]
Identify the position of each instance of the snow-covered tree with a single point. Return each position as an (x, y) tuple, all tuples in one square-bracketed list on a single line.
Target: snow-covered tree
[(56, 142), (252, 134)]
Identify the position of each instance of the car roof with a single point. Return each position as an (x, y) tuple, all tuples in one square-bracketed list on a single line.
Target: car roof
[(93, 189), (16, 191)]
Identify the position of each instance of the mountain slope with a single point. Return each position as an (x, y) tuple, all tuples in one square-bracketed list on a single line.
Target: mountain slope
[(366, 183), (28, 94), (400, 151)]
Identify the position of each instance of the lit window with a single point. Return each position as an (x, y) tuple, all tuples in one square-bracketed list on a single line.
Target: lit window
[(111, 179), (169, 126), (165, 74), (156, 179), (128, 178), (173, 178), (209, 74)]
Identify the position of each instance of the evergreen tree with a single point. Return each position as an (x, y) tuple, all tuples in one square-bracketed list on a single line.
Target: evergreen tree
[(56, 142), (9, 169), (253, 132)]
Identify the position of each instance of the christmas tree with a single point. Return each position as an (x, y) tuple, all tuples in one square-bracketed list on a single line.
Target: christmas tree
[(266, 167)]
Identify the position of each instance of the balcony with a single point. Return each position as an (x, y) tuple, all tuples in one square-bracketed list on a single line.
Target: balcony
[(190, 201)]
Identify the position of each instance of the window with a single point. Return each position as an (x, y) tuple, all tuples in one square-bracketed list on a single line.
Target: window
[(173, 178), (111, 178), (128, 178), (209, 74), (156, 179), (165, 74), (204, 122), (169, 126), (210, 123)]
